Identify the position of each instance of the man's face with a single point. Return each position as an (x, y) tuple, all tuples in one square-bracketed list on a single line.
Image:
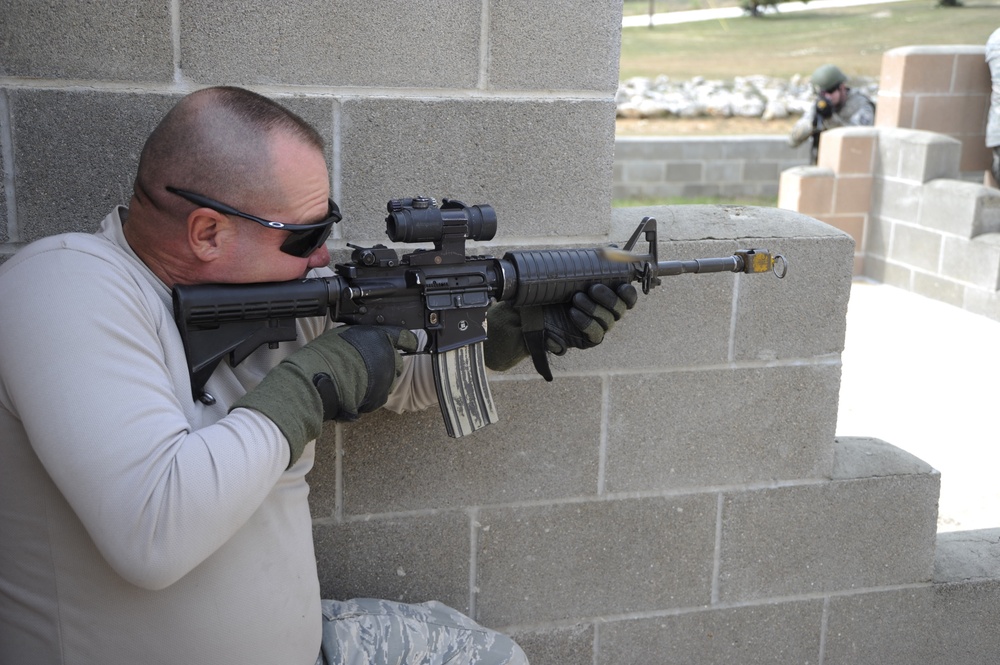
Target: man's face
[(302, 177), (835, 97)]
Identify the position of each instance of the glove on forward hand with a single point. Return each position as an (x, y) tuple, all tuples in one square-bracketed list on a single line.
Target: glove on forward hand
[(344, 372), (580, 324)]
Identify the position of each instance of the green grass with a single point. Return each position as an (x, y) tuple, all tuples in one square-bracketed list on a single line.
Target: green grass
[(783, 45)]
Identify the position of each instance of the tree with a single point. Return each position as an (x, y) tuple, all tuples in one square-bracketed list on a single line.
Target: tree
[(757, 7)]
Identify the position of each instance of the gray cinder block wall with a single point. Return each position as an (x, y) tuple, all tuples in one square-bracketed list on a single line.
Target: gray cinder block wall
[(471, 100), (662, 167), (676, 495)]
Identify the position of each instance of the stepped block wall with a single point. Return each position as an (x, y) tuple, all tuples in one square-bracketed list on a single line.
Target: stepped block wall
[(907, 190), (942, 89)]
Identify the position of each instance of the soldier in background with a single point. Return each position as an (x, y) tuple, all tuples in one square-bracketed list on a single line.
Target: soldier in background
[(993, 120), (836, 105)]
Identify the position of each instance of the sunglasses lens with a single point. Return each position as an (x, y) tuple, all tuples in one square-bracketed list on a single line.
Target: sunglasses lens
[(305, 243)]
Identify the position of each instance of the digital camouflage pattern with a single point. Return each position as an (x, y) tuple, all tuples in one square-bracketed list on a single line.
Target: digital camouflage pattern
[(993, 60), (993, 119), (369, 631), (858, 111)]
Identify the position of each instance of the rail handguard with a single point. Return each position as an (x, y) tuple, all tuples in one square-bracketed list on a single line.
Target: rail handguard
[(442, 291)]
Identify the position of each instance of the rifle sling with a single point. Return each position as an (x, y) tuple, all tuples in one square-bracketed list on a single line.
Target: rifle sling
[(533, 331)]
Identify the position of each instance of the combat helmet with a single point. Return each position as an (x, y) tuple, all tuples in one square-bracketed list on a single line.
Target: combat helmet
[(828, 77)]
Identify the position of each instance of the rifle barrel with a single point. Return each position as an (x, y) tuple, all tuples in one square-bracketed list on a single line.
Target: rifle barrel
[(721, 264)]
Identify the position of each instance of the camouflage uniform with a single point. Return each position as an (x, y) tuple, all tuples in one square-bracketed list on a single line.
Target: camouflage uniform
[(993, 120), (858, 110), (368, 631)]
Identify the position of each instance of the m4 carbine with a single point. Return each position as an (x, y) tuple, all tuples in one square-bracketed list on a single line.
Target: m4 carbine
[(442, 291)]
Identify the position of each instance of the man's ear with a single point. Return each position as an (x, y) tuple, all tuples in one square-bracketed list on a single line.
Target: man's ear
[(208, 232)]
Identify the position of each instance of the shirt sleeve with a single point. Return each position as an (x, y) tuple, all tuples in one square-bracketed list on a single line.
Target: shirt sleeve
[(803, 128), (90, 366)]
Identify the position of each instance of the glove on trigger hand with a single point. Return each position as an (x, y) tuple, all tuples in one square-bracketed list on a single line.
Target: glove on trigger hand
[(344, 372), (582, 323)]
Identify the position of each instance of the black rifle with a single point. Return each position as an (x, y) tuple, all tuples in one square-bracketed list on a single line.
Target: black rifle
[(442, 291)]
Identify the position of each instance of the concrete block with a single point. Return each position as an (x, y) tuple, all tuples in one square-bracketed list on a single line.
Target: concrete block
[(873, 524), (893, 64), (806, 189), (917, 247), (594, 558), (696, 190), (939, 624), (684, 171), (878, 237), (914, 155), (555, 45), (972, 74), (769, 312), (707, 148), (410, 559), (684, 322), (7, 231), (729, 171), (852, 195), (644, 171), (848, 150), (950, 114), (545, 446), (780, 633), (657, 148), (963, 556), (893, 110), (915, 69), (372, 44), (59, 135), (894, 274), (756, 171), (975, 262), (852, 225), (752, 147), (525, 158), (964, 209), (114, 40), (572, 645), (985, 303), (897, 200), (975, 155), (938, 288), (802, 315), (689, 429)]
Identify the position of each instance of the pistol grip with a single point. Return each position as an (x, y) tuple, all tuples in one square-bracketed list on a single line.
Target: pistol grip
[(463, 391)]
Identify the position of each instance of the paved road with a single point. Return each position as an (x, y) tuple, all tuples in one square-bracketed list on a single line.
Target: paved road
[(692, 15), (923, 375)]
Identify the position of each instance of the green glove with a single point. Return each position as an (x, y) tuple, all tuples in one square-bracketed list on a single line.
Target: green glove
[(344, 372), (581, 323)]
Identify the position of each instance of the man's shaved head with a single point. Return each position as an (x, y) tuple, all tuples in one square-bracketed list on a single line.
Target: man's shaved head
[(217, 142)]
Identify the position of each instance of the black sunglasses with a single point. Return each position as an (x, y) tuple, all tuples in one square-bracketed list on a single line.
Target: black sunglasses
[(304, 239)]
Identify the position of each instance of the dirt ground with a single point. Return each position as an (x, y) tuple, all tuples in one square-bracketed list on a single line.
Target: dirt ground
[(702, 126)]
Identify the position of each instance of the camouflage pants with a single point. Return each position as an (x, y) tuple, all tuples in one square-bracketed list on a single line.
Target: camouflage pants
[(367, 631)]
